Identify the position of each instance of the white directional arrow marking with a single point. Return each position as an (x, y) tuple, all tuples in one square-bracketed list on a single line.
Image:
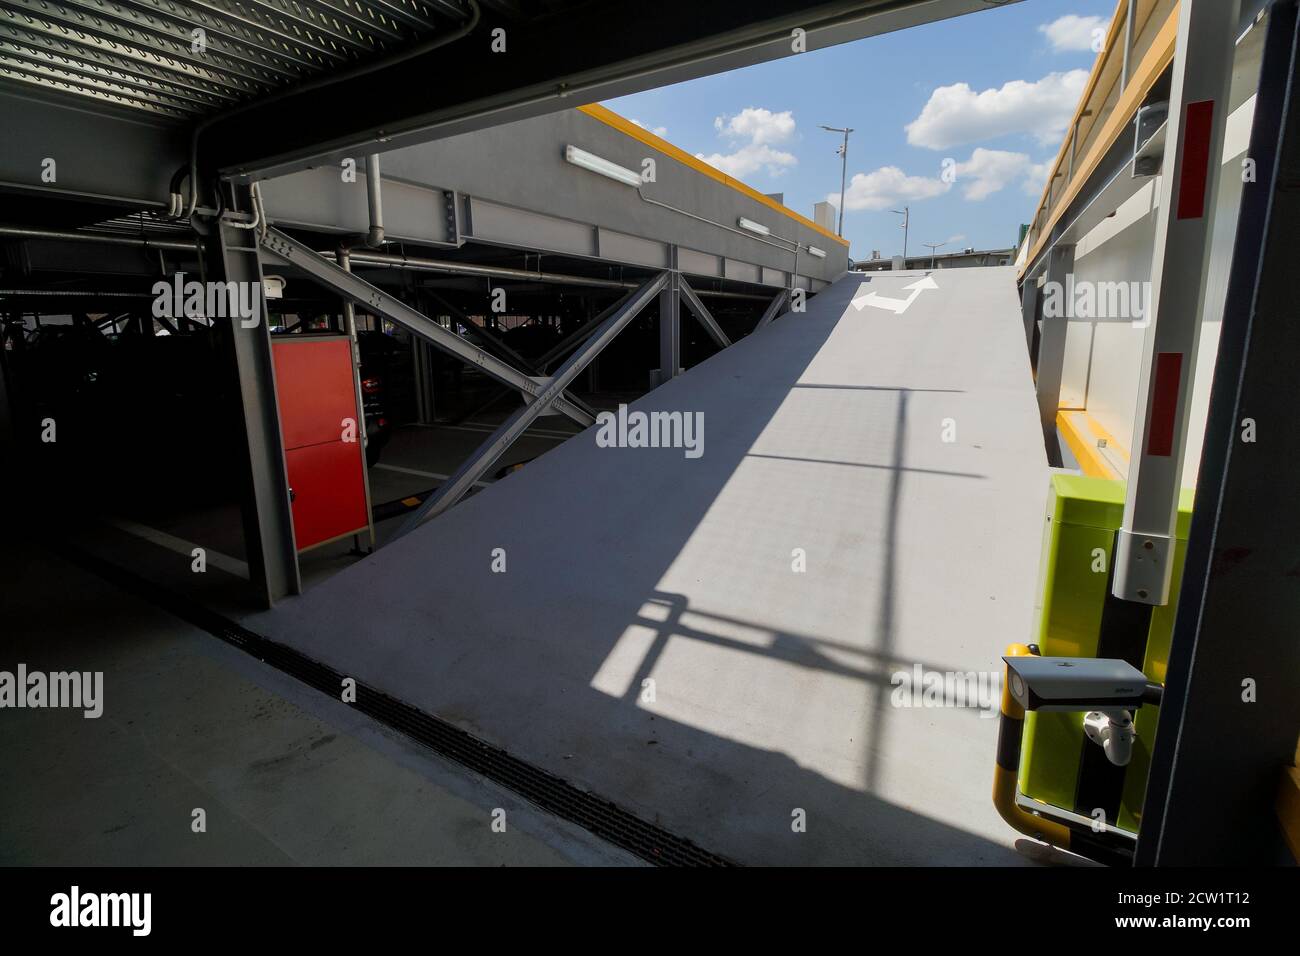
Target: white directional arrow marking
[(897, 306)]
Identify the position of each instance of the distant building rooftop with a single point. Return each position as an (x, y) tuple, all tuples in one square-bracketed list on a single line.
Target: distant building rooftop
[(967, 258)]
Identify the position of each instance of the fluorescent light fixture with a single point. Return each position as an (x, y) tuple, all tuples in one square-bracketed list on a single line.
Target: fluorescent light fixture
[(752, 226), (819, 253), (592, 162)]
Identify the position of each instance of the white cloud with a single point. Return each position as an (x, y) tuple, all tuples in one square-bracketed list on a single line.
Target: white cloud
[(957, 114), (986, 172), (1036, 178), (754, 131), (749, 159), (991, 170), (660, 131), (1072, 33), (886, 187), (757, 126)]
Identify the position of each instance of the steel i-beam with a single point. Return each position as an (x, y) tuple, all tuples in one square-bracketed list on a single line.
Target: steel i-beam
[(773, 309), (496, 343), (670, 326), (294, 253), (1029, 313), (1051, 349), (268, 515), (454, 488), (576, 337), (704, 316)]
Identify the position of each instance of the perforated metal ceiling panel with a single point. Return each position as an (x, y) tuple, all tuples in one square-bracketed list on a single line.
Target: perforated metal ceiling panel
[(187, 58)]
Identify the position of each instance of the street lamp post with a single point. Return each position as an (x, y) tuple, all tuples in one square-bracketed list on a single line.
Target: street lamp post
[(906, 213), (843, 150), (933, 246)]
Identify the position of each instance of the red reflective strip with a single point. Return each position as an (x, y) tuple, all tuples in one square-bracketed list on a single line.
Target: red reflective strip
[(1197, 125), (1164, 404)]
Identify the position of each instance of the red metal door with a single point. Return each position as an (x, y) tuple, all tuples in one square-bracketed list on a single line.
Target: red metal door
[(322, 429)]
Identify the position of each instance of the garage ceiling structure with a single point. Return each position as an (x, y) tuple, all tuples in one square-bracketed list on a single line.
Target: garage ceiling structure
[(184, 59), (128, 99), (282, 85), (174, 108)]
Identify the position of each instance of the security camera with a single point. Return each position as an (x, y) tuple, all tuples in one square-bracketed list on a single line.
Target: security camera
[(1106, 688), (1078, 683)]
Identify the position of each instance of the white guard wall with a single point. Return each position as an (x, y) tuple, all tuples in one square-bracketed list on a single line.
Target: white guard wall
[(1103, 356)]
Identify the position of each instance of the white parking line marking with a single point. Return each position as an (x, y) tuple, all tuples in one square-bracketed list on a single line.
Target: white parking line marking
[(424, 474), (172, 543)]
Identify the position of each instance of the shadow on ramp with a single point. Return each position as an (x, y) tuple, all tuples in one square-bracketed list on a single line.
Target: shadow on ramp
[(651, 638)]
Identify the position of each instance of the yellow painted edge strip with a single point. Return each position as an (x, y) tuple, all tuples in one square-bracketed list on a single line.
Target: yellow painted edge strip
[(1158, 56), (1100, 432), (1090, 460), (1005, 779), (627, 127)]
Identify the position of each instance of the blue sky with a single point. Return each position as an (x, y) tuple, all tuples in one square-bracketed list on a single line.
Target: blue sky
[(990, 92)]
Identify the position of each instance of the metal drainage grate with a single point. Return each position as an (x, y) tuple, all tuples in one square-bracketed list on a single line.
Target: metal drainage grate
[(539, 787)]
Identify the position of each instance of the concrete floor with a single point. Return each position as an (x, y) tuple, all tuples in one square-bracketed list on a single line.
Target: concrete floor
[(418, 457), (824, 432), (285, 775), (415, 459)]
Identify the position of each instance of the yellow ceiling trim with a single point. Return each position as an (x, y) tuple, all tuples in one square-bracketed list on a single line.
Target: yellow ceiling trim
[(627, 127)]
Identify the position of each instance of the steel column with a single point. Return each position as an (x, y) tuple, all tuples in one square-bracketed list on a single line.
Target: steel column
[(1051, 348), (1217, 759), (425, 397), (8, 440), (472, 470), (268, 516), (670, 325), (294, 253), (1198, 107), (1029, 312)]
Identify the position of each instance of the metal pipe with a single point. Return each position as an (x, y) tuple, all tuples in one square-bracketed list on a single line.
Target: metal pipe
[(375, 237), (73, 293), (317, 83), (365, 258), (712, 222), (716, 294), (449, 267), (60, 235)]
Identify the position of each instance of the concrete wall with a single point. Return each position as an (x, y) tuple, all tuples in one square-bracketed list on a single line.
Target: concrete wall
[(515, 188), (1103, 357)]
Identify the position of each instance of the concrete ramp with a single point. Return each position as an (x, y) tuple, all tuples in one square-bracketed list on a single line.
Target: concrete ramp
[(709, 642)]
